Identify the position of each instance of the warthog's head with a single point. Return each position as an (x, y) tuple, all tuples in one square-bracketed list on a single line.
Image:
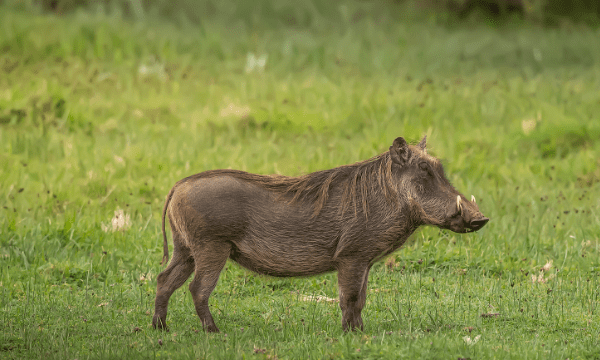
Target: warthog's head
[(425, 187)]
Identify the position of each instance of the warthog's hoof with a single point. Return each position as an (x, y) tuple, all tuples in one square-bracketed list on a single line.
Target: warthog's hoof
[(159, 323), (211, 328)]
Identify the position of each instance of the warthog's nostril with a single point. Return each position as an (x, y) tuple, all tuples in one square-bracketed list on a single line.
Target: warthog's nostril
[(479, 223)]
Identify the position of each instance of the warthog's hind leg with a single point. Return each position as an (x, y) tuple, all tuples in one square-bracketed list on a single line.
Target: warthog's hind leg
[(210, 257), (352, 283), (178, 271)]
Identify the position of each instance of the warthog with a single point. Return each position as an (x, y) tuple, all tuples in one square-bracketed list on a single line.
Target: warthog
[(341, 219)]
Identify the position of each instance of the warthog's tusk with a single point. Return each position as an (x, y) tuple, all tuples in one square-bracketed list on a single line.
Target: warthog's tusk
[(458, 204), (473, 199)]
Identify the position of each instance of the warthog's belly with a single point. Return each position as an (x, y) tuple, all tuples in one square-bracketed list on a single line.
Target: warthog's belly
[(276, 262)]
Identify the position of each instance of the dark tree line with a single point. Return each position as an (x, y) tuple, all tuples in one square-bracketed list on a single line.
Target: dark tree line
[(545, 11)]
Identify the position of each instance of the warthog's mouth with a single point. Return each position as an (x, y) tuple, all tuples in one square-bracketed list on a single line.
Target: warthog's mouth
[(467, 217), (475, 225), (458, 225)]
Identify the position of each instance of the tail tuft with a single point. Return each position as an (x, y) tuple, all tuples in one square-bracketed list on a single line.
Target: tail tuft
[(165, 258)]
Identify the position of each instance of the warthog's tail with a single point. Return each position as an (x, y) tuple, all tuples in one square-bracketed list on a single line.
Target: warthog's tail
[(165, 258)]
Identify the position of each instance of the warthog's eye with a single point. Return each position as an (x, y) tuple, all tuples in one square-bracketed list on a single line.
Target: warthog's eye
[(424, 166)]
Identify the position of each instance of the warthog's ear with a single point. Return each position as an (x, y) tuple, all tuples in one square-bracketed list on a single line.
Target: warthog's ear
[(423, 144), (399, 151)]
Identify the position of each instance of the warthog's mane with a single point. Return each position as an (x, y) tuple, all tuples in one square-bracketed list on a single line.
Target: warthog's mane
[(371, 178)]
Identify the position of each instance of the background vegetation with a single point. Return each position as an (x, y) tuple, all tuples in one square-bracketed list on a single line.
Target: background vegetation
[(551, 12), (103, 110)]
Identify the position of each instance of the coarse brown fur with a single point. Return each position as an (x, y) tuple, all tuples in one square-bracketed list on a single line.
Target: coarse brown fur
[(341, 219)]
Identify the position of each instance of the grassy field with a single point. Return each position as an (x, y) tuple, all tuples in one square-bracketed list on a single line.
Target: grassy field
[(100, 115)]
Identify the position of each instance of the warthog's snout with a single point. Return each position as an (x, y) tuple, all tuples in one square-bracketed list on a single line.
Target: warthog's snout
[(478, 224), (467, 217)]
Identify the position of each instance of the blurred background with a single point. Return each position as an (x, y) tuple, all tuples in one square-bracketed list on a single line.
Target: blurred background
[(543, 11)]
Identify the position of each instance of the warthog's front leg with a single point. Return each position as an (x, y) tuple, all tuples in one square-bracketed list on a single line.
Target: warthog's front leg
[(178, 271), (210, 258), (352, 283)]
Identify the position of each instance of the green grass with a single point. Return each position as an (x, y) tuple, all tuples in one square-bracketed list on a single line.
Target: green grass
[(100, 113)]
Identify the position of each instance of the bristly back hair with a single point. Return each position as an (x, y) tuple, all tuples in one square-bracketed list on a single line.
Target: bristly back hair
[(359, 180)]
